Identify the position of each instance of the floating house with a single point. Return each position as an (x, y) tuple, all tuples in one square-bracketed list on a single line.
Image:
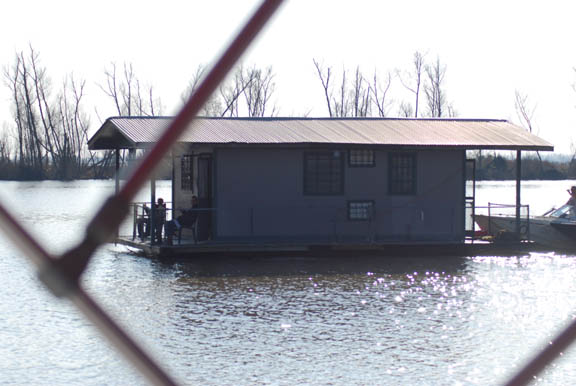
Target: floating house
[(323, 182)]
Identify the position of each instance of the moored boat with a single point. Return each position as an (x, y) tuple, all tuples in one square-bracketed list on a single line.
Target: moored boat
[(555, 228)]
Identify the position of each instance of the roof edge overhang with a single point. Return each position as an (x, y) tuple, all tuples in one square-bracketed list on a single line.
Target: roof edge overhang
[(373, 145), (108, 137)]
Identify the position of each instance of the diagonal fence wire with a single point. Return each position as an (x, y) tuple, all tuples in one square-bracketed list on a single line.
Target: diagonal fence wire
[(61, 274), (545, 357)]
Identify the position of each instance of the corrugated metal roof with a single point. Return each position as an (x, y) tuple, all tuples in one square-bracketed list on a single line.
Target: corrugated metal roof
[(455, 133)]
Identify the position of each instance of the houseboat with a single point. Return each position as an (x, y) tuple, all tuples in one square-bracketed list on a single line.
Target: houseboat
[(311, 184)]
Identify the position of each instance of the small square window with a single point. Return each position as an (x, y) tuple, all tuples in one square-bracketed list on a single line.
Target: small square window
[(361, 158), (360, 210)]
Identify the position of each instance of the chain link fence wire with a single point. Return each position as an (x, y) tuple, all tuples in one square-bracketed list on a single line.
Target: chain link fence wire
[(61, 274)]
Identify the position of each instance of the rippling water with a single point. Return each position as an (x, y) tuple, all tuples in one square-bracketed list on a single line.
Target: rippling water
[(283, 321)]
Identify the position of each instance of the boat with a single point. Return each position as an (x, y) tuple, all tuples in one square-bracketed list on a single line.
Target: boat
[(556, 228)]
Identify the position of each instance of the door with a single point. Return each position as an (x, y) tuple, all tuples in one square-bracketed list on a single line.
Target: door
[(470, 197), (205, 196)]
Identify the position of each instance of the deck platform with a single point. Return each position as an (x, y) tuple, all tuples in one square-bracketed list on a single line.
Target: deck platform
[(189, 249)]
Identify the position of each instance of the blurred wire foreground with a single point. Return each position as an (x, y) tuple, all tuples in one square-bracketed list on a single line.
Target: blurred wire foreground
[(61, 274)]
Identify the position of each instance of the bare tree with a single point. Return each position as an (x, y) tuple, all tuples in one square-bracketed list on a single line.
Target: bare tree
[(248, 92), (406, 110), (414, 81), (6, 150), (351, 99), (72, 137), (130, 98), (523, 110), (340, 101), (380, 93), (360, 95), (127, 94), (525, 113), (434, 89), (213, 106), (230, 94), (324, 76), (51, 131), (257, 87), (24, 85)]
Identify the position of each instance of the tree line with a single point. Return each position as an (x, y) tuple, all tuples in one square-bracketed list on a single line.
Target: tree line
[(48, 132), (496, 166)]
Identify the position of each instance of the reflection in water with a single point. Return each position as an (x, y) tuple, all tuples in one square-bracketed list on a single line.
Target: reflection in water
[(322, 326), (368, 321), (283, 320)]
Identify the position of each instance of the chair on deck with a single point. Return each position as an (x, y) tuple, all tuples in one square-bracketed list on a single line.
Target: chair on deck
[(142, 222), (193, 227)]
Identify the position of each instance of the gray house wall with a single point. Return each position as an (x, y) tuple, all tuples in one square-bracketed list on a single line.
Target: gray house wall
[(259, 195)]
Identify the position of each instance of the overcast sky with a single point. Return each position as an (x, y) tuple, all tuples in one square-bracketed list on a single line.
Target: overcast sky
[(491, 48)]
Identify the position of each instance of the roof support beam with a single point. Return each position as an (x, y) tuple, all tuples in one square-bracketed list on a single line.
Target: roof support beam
[(117, 173)]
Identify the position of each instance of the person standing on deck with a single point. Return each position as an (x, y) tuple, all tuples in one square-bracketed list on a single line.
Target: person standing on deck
[(572, 193), (160, 219)]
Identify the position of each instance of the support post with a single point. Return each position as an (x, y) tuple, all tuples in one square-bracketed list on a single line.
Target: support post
[(153, 218), (518, 184), (117, 174), (173, 196), (117, 182)]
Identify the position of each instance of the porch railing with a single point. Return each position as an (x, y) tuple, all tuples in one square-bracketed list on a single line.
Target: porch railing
[(499, 210), (141, 224)]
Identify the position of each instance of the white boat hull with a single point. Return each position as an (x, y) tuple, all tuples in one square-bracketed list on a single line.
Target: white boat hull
[(547, 231)]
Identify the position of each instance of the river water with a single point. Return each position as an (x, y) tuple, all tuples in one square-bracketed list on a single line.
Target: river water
[(284, 321)]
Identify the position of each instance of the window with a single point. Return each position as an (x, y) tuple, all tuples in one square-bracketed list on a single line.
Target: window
[(323, 172), (402, 173), (360, 210), (186, 172), (361, 158)]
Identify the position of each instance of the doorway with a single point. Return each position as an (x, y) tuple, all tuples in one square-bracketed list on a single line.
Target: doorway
[(205, 190)]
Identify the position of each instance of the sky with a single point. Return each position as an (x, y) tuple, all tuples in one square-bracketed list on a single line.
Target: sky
[(491, 49)]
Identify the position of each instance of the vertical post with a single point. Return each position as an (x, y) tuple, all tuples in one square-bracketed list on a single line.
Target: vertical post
[(152, 211), (117, 182), (117, 174), (518, 183), (173, 185)]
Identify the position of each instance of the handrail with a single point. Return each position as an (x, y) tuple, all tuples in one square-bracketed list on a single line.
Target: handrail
[(141, 216), (491, 206)]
